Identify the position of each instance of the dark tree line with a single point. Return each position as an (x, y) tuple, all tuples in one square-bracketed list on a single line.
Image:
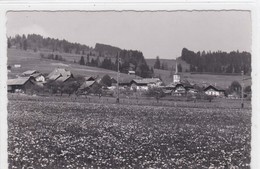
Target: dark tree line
[(130, 59), (106, 50), (159, 65), (135, 60), (217, 62), (52, 57), (36, 42)]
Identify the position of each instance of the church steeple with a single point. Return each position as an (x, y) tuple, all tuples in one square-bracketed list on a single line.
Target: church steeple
[(176, 67), (176, 76)]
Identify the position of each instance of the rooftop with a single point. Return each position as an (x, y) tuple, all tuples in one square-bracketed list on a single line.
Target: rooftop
[(18, 81)]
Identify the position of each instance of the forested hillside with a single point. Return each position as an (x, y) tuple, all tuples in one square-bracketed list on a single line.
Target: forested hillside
[(217, 62), (106, 50), (104, 56)]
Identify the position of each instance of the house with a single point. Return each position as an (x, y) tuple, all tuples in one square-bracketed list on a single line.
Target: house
[(34, 73), (87, 85), (60, 75), (144, 84), (89, 78), (180, 88), (38, 77), (131, 72), (124, 82), (214, 91), (20, 84), (29, 72)]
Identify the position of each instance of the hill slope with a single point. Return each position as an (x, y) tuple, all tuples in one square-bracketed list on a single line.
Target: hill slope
[(30, 60)]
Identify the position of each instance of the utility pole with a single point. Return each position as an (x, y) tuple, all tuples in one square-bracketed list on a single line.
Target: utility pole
[(242, 90), (117, 99)]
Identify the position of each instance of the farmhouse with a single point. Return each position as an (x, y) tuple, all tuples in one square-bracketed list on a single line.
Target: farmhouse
[(20, 84), (180, 88), (89, 78), (144, 84), (29, 72), (34, 73), (61, 75), (87, 85), (214, 91), (125, 82), (38, 77)]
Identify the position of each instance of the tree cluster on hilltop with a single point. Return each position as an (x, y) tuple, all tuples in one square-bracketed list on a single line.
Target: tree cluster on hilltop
[(217, 62), (106, 50), (36, 42), (160, 65), (129, 60)]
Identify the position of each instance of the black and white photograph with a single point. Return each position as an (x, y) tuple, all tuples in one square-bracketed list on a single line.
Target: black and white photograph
[(129, 89)]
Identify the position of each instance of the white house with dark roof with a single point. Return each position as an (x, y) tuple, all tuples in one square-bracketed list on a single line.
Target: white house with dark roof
[(144, 84), (214, 91)]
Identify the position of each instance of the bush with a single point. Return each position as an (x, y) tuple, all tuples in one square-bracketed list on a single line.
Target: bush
[(155, 92)]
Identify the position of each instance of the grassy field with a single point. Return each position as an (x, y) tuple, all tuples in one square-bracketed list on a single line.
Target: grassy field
[(30, 60), (220, 80), (68, 133)]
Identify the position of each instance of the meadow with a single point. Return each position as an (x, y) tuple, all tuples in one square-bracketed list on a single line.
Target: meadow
[(76, 133), (30, 60)]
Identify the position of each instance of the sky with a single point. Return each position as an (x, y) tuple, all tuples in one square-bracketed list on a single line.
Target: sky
[(162, 34)]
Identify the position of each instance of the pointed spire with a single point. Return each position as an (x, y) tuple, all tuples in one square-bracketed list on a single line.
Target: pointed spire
[(176, 67)]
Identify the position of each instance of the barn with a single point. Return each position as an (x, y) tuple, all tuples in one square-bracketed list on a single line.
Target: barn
[(86, 86), (60, 75), (20, 84), (34, 73)]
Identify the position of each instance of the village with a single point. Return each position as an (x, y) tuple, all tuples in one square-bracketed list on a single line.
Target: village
[(129, 89), (63, 81)]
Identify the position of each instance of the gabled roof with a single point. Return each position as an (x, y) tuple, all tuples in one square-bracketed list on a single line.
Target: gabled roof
[(59, 72), (184, 83), (36, 75), (54, 76), (18, 81), (62, 78), (217, 88), (87, 84), (125, 80), (146, 80), (89, 78), (29, 72)]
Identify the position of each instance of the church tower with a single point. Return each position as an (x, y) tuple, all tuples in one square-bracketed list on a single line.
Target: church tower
[(176, 76)]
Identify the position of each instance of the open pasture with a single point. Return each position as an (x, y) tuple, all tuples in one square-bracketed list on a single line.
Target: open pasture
[(53, 134), (30, 60), (223, 81)]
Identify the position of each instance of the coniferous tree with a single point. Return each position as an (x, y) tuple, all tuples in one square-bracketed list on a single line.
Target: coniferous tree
[(82, 61), (157, 64)]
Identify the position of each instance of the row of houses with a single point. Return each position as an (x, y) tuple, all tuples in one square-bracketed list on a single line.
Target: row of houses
[(178, 87)]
